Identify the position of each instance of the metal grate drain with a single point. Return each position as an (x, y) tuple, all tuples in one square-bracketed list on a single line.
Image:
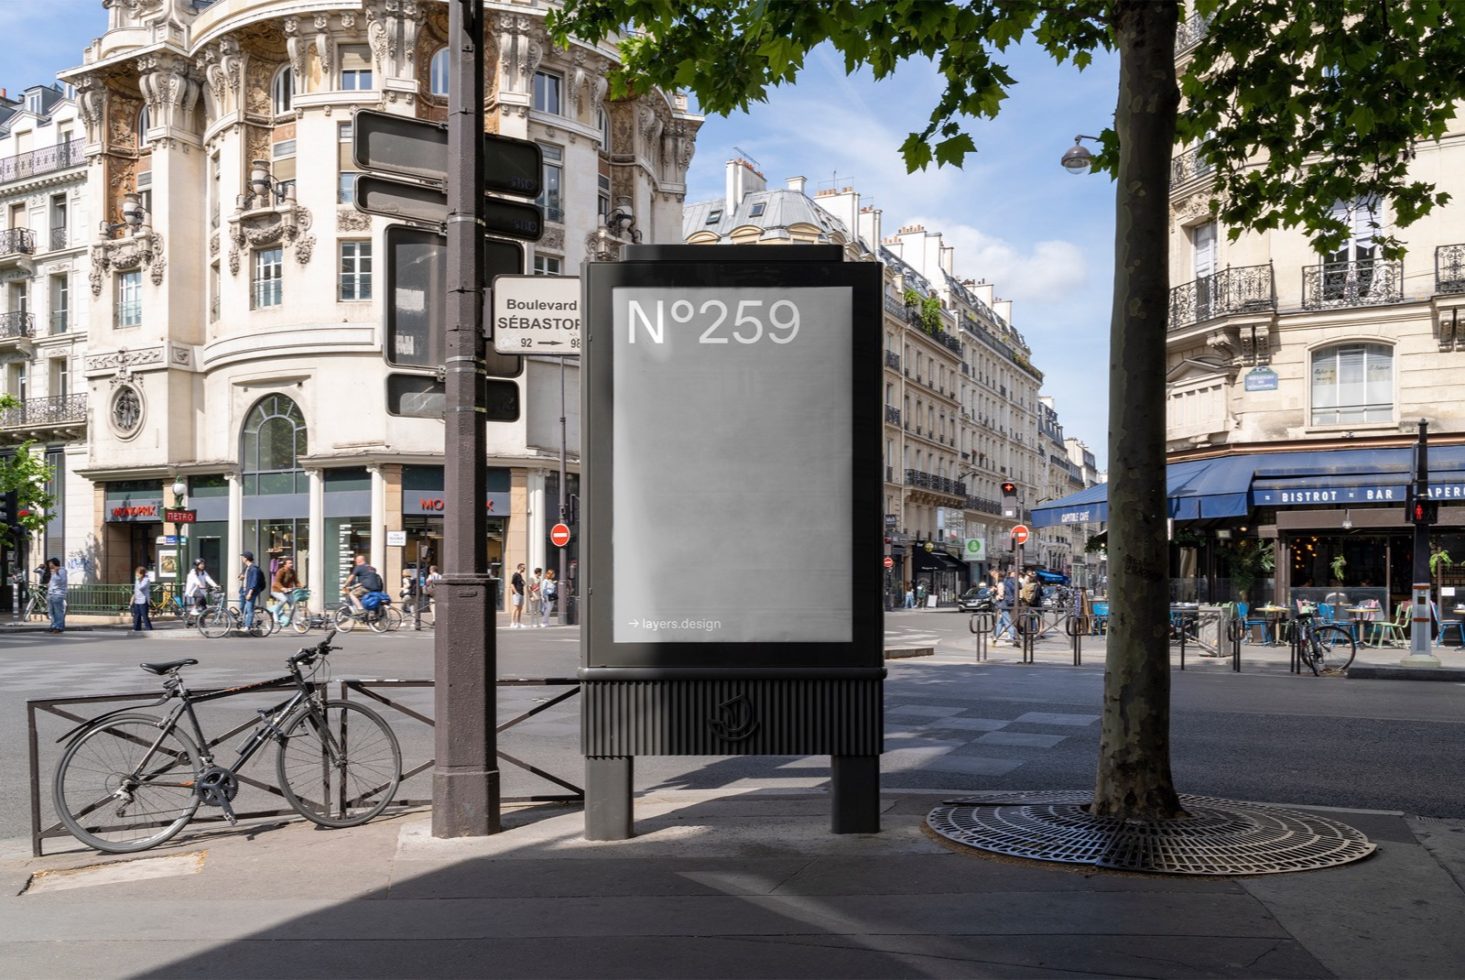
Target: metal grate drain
[(1219, 837)]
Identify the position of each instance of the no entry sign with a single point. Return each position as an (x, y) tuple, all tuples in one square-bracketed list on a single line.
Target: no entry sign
[(559, 535), (888, 562), (1020, 534)]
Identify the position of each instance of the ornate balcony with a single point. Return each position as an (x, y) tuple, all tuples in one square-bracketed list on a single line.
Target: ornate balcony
[(1190, 32), (17, 241), (16, 325), (892, 415), (43, 161), (892, 360), (1339, 285), (1188, 166), (1240, 289), (36, 415), (1449, 269)]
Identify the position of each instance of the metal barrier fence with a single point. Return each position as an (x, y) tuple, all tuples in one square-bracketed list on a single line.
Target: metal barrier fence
[(62, 708)]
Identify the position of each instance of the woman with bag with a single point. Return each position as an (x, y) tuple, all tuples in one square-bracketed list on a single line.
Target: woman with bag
[(548, 590)]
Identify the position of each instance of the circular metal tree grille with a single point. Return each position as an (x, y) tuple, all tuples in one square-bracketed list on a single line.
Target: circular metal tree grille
[(1219, 837)]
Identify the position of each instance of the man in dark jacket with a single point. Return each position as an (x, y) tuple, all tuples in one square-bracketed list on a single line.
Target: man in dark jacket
[(1006, 601), (251, 587)]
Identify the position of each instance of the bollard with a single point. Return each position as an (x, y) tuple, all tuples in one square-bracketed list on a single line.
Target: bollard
[(982, 625), (1234, 632), (1075, 627), (1030, 624), (1182, 641)]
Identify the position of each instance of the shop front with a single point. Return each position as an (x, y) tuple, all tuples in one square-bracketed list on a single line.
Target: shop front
[(943, 576), (132, 524), (424, 507)]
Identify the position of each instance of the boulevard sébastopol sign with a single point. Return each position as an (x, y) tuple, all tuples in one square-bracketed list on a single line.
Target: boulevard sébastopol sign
[(732, 516)]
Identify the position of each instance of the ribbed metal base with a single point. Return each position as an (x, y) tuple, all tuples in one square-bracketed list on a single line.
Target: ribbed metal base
[(1219, 837)]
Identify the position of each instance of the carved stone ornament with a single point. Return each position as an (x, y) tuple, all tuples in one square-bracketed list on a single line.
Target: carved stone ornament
[(350, 219), (1196, 207), (285, 225), (124, 360), (126, 411), (553, 238), (127, 255)]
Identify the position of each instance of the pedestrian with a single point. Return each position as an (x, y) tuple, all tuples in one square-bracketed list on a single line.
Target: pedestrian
[(536, 598), (1006, 604), (252, 586), (921, 595), (56, 596), (196, 589), (516, 598), (910, 596), (142, 597), (548, 591)]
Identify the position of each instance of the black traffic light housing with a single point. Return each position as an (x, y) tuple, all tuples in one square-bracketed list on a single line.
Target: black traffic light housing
[(1419, 509)]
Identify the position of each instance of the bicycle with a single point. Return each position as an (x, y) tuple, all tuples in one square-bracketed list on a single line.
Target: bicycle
[(35, 604), (295, 612), (228, 616), (1324, 647), (129, 781), (383, 618)]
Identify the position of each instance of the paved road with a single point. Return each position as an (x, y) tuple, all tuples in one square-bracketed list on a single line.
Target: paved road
[(951, 724)]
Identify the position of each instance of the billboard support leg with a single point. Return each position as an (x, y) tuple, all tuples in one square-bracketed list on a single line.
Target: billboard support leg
[(608, 798), (856, 794)]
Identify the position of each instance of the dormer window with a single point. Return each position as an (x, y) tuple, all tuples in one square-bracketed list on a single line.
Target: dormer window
[(714, 216), (757, 211)]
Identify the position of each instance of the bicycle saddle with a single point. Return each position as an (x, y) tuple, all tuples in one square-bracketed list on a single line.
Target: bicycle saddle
[(163, 666)]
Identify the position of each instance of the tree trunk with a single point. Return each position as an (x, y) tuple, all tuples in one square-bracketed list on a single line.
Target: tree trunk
[(1134, 779)]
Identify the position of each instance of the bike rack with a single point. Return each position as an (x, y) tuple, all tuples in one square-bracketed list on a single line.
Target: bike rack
[(61, 708), (1075, 627), (982, 624)]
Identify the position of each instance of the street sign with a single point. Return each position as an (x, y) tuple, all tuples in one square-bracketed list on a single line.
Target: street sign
[(974, 549), (396, 539), (402, 199), (536, 315), (415, 312), (888, 562), (421, 396), (411, 147), (511, 218), (1020, 534), (172, 516), (559, 535)]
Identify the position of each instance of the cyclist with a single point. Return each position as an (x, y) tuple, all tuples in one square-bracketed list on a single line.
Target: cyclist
[(363, 579), (283, 582), (196, 589)]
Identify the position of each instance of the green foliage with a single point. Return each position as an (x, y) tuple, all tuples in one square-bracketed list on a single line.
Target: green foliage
[(929, 308), (28, 475), (1299, 103), (1338, 564), (1096, 543), (1440, 558), (1249, 561)]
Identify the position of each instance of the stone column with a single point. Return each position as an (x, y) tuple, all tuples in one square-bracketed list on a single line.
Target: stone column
[(230, 561), (378, 520), (315, 572)]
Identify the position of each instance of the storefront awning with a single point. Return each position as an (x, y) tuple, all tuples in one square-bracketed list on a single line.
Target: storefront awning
[(936, 561), (1229, 486)]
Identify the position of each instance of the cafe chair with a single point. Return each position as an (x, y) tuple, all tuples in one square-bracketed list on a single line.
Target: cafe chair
[(1250, 623), (1393, 632)]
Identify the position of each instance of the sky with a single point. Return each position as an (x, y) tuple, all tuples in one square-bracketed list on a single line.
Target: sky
[(1042, 236)]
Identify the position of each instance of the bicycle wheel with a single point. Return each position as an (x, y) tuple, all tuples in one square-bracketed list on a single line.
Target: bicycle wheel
[(264, 623), (1335, 647), (345, 622), (113, 800), (339, 763), (300, 618), (215, 622), (385, 618)]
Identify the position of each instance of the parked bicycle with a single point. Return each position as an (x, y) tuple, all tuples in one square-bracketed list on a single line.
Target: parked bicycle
[(34, 610), (227, 616), (129, 781), (377, 613), (1324, 647)]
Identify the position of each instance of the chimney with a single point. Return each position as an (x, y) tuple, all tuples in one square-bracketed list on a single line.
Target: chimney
[(742, 180), (796, 184), (947, 259), (984, 292), (870, 228), (1003, 308)]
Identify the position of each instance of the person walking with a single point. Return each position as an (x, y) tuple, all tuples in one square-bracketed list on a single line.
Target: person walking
[(1006, 604), (142, 597), (196, 589), (56, 596), (549, 590), (516, 598), (251, 587), (910, 596), (536, 598)]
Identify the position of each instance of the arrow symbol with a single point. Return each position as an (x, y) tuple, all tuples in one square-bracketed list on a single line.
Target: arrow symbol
[(552, 343), (634, 622)]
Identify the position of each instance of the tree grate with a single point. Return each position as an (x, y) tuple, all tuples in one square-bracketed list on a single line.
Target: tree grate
[(1219, 837)]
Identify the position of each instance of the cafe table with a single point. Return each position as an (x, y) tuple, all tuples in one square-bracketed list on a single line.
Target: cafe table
[(1361, 616), (1274, 616)]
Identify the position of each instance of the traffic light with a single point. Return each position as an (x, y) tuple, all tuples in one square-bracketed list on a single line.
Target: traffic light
[(8, 507), (1419, 509), (1009, 500)]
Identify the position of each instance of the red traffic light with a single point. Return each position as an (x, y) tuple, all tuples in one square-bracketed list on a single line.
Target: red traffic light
[(1009, 489), (1418, 510), (23, 512)]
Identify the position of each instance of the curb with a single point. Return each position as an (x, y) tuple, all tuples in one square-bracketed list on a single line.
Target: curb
[(1369, 672)]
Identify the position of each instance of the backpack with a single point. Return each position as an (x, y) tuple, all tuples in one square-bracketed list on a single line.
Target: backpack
[(368, 579), (1029, 592), (374, 599), (46, 575), (549, 589)]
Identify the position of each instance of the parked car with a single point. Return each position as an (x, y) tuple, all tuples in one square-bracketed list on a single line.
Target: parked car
[(981, 598)]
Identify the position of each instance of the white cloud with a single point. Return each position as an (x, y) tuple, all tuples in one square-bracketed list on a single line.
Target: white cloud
[(1043, 272)]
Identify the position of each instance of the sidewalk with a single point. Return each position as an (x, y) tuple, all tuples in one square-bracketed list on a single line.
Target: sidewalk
[(716, 885)]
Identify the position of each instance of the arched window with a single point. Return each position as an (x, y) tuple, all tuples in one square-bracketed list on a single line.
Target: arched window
[(1352, 383), (438, 73), (144, 123), (282, 90), (271, 445)]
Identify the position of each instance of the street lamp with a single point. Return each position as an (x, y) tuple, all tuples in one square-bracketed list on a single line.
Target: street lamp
[(1077, 159), (133, 216)]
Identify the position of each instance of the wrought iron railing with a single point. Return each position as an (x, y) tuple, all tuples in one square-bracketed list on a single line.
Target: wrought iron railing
[(15, 324), (1366, 282), (892, 415), (55, 410), (984, 505), (42, 161), (1449, 269), (17, 241), (1190, 32), (1239, 289), (59, 238), (60, 321), (930, 481), (1189, 165), (892, 360)]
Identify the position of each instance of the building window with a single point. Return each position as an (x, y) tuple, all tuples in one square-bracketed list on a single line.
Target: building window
[(549, 197), (546, 92), (546, 265), (60, 304), (129, 298), (215, 190), (215, 284), (355, 67), (144, 123), (346, 181), (282, 170), (271, 444), (58, 221), (269, 267), (438, 73), (602, 122), (602, 197), (355, 265), (1353, 383), (282, 90)]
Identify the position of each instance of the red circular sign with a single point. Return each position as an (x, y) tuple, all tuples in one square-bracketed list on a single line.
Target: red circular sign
[(1020, 534), (559, 535), (889, 562)]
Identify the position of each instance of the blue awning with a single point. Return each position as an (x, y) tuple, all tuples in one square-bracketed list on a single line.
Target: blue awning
[(1229, 486)]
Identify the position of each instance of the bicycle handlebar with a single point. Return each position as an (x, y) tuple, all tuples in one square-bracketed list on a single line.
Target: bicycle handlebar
[(308, 654)]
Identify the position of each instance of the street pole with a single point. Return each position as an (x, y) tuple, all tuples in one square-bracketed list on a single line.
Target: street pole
[(1419, 630), (562, 599), (465, 777)]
